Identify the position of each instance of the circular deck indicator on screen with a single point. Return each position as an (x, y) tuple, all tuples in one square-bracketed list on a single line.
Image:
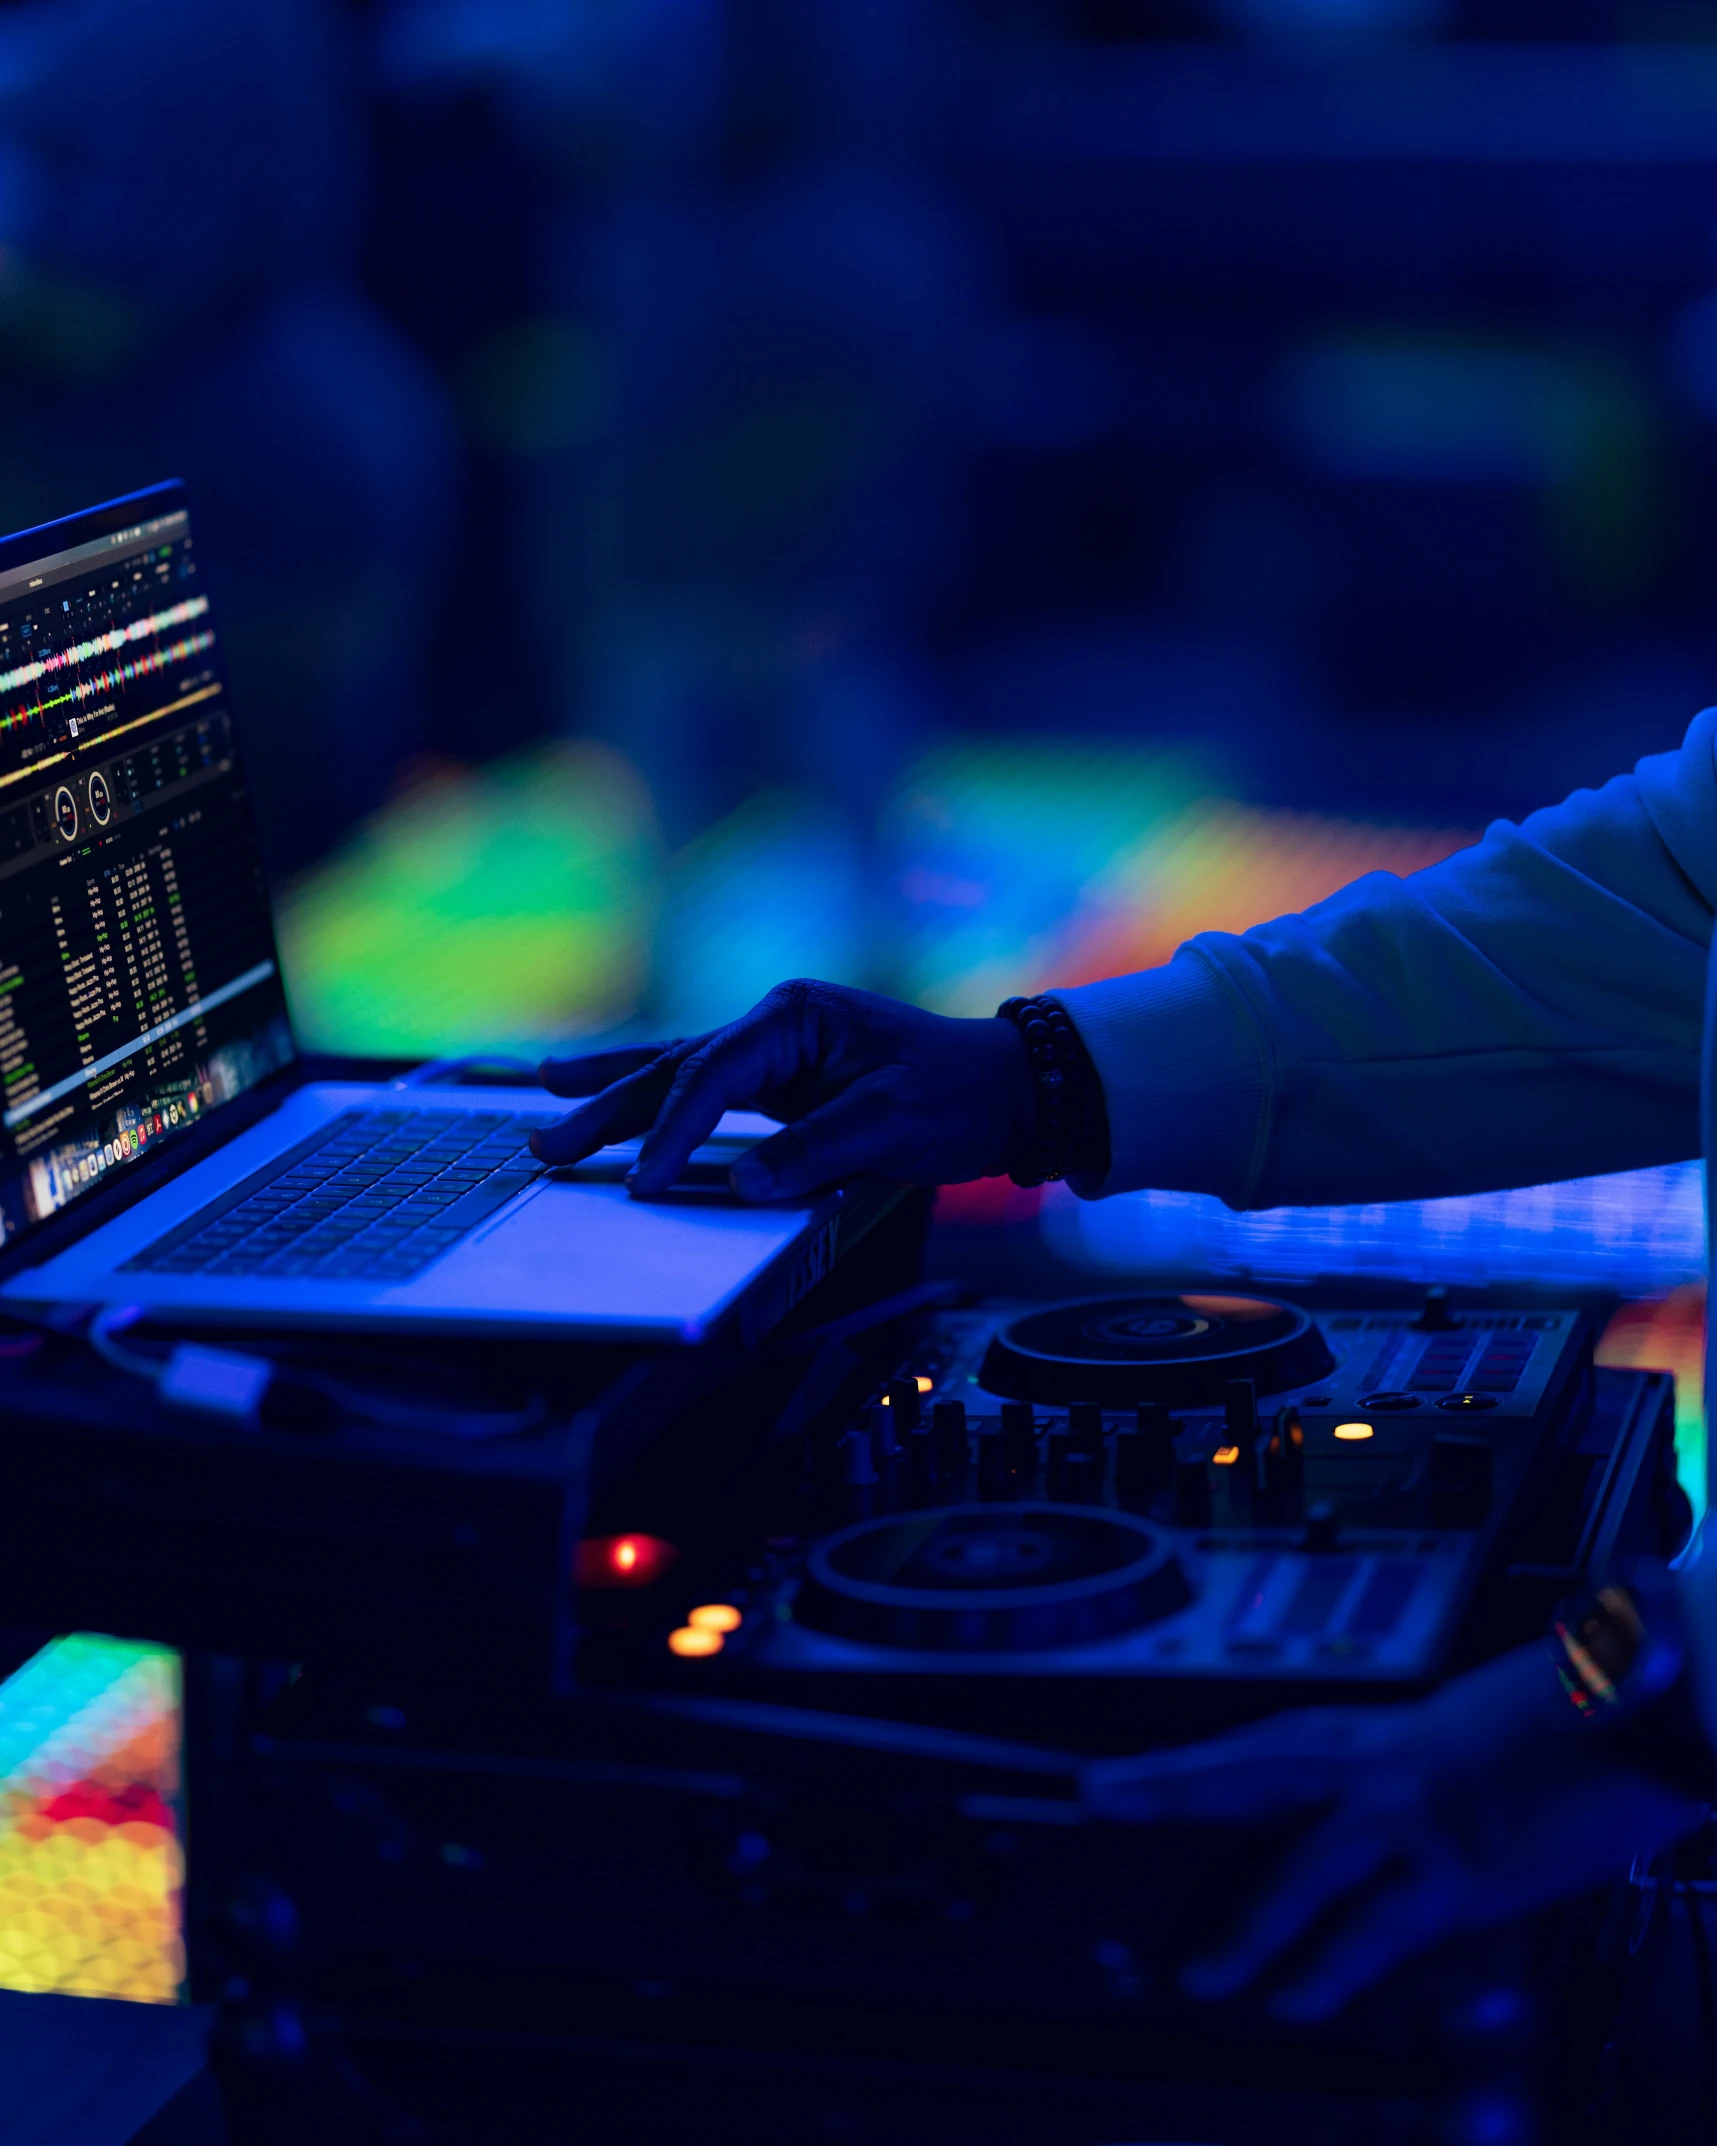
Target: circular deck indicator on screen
[(100, 799), (66, 814)]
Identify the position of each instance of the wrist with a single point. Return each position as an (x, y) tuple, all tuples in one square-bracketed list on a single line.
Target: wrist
[(1068, 1121)]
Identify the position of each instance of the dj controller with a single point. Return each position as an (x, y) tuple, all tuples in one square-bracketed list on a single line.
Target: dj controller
[(1091, 1516), (790, 1846)]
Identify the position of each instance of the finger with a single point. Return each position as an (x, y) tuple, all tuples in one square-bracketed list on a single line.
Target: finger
[(857, 1131), (731, 1068), (1273, 1766), (1388, 1927), (1223, 1786), (618, 1113), (596, 1070), (1333, 1858)]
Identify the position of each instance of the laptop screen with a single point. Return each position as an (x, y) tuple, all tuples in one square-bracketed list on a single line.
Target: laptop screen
[(139, 983)]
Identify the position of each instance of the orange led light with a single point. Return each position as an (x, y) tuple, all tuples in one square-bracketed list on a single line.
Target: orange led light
[(692, 1640), (1352, 1433), (1226, 1456), (922, 1383), (714, 1617)]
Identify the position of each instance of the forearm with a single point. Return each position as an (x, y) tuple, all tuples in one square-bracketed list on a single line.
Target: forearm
[(1530, 1008)]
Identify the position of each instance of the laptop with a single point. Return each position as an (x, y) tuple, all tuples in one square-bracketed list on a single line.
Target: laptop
[(162, 1141)]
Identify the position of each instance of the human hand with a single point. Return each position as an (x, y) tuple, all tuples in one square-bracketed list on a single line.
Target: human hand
[(1464, 1809), (861, 1083)]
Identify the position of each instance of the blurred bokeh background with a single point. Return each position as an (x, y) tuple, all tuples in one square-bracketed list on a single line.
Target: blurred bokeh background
[(951, 495)]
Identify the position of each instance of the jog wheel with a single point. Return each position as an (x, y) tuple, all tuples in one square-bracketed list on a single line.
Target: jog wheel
[(1179, 1350), (992, 1579)]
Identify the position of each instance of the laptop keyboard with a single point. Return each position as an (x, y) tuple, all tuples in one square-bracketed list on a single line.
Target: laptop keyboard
[(374, 1196)]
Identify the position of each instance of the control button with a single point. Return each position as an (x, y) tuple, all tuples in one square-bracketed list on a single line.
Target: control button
[(1240, 1413), (1388, 1404), (1467, 1404), (1353, 1434), (884, 1439), (1285, 1457), (908, 1409), (858, 1462), (1075, 1476), (1434, 1315)]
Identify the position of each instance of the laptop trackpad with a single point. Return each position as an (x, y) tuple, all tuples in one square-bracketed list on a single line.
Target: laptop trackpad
[(589, 1251)]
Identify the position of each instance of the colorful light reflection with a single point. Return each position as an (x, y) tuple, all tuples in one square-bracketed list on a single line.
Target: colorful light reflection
[(91, 1866)]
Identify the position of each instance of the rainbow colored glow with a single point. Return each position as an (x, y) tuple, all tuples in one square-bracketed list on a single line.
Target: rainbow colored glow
[(1668, 1334), (91, 1866)]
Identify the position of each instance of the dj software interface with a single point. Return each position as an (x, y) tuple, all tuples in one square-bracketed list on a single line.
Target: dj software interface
[(139, 985)]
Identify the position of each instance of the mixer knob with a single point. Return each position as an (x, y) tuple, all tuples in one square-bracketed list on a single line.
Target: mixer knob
[(858, 1463), (953, 1444), (1285, 1456), (1085, 1426), (1434, 1314), (1322, 1533), (884, 1441), (1191, 1492), (908, 1409), (1019, 1441), (1074, 1475), (1240, 1414), (992, 1461)]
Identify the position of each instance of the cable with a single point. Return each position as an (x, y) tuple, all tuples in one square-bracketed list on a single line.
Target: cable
[(233, 1383)]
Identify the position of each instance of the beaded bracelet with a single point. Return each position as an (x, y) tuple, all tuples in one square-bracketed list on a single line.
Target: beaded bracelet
[(1072, 1125)]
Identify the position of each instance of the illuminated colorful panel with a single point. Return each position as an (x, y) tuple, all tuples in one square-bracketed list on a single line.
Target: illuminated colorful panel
[(513, 906), (1669, 1335), (1639, 1232), (91, 1867)]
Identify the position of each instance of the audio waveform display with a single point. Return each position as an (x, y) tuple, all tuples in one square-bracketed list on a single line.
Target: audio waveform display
[(91, 1865), (104, 644), (119, 674)]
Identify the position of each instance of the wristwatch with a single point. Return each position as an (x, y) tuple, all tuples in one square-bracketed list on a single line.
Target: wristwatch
[(1618, 1653)]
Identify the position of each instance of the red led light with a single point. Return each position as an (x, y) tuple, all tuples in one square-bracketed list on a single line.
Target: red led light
[(621, 1560)]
